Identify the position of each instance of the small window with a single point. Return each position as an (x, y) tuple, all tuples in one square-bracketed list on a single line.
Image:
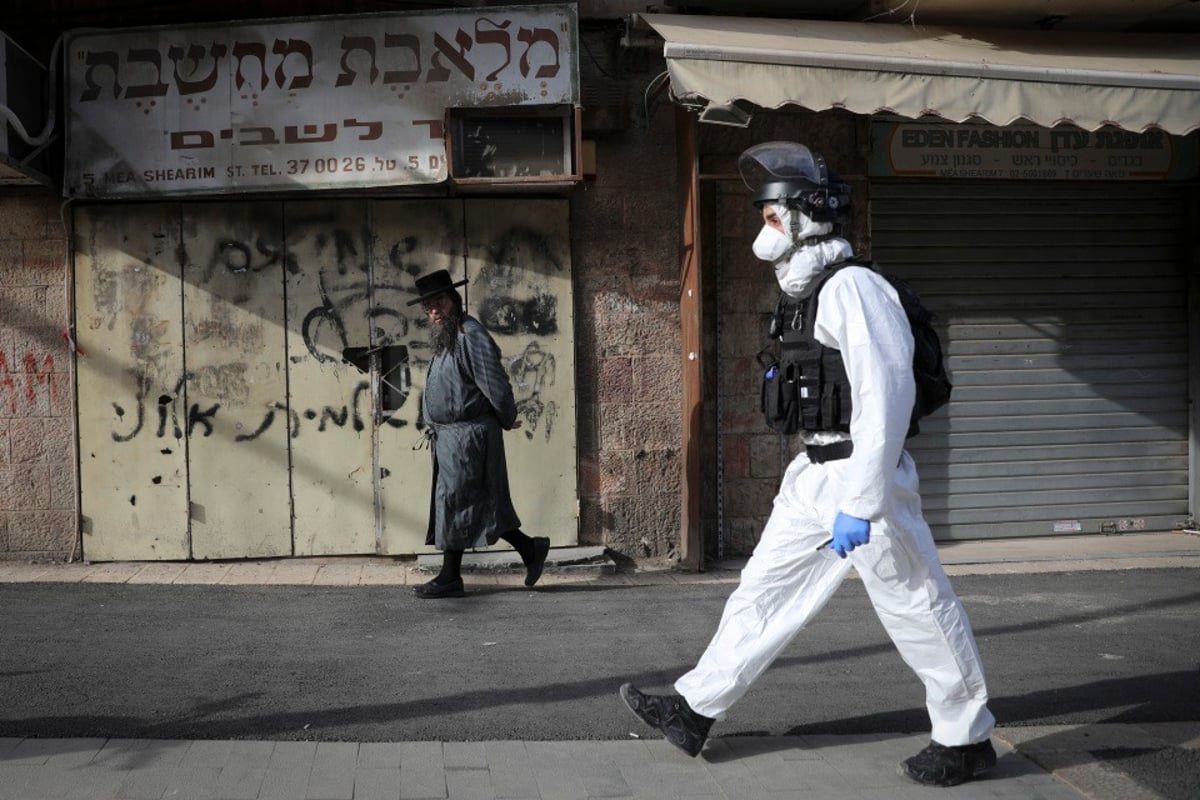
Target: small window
[(513, 145)]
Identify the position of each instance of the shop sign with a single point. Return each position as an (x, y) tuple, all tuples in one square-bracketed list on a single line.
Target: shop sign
[(318, 103), (1028, 153)]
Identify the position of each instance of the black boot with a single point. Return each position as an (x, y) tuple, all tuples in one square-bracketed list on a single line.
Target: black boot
[(532, 550), (671, 714), (448, 583), (537, 560), (938, 765)]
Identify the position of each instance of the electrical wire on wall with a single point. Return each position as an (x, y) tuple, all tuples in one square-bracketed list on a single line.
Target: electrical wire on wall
[(718, 254)]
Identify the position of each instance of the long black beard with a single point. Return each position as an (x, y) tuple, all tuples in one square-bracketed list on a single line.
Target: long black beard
[(446, 335)]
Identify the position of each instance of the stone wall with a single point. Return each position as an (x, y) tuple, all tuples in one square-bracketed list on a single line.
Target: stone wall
[(625, 232), (37, 442)]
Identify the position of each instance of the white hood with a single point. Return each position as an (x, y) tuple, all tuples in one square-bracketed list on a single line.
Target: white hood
[(795, 270)]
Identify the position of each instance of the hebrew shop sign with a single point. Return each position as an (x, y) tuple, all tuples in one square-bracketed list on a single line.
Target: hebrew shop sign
[(331, 102)]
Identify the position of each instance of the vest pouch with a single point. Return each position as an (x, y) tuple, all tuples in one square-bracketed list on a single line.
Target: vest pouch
[(831, 407), (780, 401), (807, 390)]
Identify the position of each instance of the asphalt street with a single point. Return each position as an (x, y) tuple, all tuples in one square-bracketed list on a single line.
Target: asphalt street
[(375, 664)]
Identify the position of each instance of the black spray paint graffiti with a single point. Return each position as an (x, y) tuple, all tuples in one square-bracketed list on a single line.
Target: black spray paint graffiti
[(531, 371), (169, 415), (511, 301)]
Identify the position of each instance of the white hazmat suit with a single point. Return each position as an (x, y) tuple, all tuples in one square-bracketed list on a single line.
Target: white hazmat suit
[(788, 579)]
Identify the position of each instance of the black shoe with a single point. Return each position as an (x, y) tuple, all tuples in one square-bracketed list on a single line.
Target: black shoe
[(938, 765), (434, 590), (671, 714), (533, 570)]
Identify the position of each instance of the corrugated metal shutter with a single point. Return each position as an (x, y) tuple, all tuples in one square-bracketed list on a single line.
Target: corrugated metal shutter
[(1063, 309)]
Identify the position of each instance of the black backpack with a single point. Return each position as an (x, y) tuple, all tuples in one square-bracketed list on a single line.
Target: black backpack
[(794, 320)]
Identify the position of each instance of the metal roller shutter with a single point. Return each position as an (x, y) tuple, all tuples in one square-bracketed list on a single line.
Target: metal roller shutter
[(1063, 310)]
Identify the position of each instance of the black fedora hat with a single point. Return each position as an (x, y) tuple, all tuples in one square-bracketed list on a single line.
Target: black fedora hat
[(433, 284)]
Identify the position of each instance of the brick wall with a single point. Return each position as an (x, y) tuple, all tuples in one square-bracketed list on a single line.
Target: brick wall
[(37, 461)]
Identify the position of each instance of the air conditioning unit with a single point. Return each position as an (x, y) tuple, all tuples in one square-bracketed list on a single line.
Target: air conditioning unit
[(23, 84)]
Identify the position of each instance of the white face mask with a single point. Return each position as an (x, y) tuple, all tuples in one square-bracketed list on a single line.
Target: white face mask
[(770, 245)]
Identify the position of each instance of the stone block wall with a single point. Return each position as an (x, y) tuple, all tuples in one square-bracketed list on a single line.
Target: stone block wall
[(37, 441), (625, 233)]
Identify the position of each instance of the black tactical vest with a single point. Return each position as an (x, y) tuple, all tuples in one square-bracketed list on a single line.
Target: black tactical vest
[(811, 375)]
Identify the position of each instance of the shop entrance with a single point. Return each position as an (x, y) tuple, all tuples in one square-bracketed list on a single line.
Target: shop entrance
[(250, 373)]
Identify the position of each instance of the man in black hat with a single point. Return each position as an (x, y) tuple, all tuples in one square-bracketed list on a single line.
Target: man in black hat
[(467, 405)]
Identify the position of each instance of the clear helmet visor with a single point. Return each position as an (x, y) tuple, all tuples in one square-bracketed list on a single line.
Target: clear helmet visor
[(773, 162)]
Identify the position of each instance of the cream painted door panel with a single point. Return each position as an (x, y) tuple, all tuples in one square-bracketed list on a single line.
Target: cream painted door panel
[(519, 266), (411, 239), (329, 399), (132, 415), (236, 365)]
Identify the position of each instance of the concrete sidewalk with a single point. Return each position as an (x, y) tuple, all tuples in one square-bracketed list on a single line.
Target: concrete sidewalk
[(737, 768), (590, 564), (1100, 762)]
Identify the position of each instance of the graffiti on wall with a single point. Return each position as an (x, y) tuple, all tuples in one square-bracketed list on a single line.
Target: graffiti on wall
[(20, 383), (168, 418), (361, 319)]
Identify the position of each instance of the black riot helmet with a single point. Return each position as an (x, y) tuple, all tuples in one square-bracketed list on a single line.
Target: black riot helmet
[(790, 174)]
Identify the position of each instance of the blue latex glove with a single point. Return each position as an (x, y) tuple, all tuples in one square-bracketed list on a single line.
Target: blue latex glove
[(848, 533)]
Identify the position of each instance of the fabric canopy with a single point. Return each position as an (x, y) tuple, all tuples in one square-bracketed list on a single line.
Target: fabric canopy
[(1133, 80)]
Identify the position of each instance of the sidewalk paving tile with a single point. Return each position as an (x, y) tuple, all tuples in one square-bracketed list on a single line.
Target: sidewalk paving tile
[(377, 783), (288, 782), (379, 755), (121, 754), (559, 782), (116, 572), (290, 755), (13, 779), (672, 779), (464, 755), (293, 573), (75, 753), (195, 783), (148, 783), (511, 769), (254, 754), (101, 784), (50, 783), (603, 780), (253, 573), (158, 572), (338, 575), (422, 774), (240, 781), (203, 572), (206, 753), (469, 784), (379, 575), (60, 574), (332, 776)]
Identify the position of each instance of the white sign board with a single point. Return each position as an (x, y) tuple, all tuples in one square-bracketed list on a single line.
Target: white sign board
[(1028, 153), (330, 102)]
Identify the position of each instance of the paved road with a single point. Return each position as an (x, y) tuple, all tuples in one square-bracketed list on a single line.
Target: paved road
[(374, 664)]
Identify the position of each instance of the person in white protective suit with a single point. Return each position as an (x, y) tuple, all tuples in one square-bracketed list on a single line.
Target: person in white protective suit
[(849, 500)]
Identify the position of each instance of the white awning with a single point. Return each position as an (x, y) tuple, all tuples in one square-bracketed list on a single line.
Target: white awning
[(1134, 80)]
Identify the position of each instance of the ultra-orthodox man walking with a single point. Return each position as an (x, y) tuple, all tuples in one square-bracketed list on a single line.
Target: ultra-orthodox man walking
[(466, 407), (848, 500)]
